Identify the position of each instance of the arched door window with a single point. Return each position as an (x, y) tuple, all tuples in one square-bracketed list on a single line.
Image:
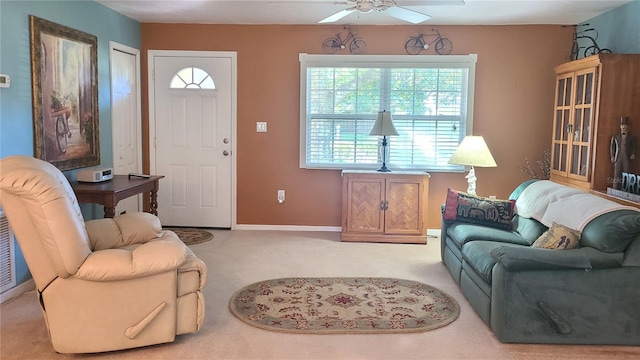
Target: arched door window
[(192, 78)]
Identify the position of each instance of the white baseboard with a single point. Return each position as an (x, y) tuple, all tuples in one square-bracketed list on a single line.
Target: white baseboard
[(14, 292), (430, 232), (433, 232), (288, 227)]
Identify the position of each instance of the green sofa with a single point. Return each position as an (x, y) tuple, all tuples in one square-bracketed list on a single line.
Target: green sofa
[(586, 295)]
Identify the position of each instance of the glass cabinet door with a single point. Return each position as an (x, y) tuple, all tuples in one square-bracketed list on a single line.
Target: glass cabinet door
[(573, 119), (581, 124), (561, 123)]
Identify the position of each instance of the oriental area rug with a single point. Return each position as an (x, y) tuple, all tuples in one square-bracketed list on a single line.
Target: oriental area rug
[(343, 305), (191, 236)]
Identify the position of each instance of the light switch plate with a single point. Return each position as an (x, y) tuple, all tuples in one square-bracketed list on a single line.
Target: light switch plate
[(5, 81), (261, 126)]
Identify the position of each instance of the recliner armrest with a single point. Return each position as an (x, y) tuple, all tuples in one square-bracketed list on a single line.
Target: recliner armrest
[(527, 258), (154, 257), (126, 229)]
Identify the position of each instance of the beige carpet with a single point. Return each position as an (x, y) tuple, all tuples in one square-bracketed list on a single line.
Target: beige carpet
[(238, 258)]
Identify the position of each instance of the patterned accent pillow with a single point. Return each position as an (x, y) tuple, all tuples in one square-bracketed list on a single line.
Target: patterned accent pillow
[(478, 210), (558, 237)]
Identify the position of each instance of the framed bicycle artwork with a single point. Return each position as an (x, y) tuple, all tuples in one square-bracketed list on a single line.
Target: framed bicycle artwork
[(64, 75)]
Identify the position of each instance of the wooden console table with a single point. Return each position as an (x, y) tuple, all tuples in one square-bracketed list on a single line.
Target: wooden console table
[(108, 193), (385, 206)]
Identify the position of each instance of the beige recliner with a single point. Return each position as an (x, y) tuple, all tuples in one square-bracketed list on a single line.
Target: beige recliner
[(105, 284)]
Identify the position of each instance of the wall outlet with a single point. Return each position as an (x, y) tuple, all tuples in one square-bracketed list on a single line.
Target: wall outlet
[(492, 196), (280, 196), (261, 126)]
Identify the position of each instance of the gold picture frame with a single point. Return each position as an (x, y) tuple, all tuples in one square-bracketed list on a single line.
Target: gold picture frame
[(64, 75)]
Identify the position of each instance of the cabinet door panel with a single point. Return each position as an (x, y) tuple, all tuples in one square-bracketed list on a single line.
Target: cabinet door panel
[(581, 135), (403, 214), (562, 128), (365, 213)]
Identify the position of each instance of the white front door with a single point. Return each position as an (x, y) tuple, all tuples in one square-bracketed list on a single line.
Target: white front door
[(192, 108), (126, 117)]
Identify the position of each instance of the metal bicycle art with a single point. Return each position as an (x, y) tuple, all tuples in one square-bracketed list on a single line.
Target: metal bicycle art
[(416, 44), (356, 45)]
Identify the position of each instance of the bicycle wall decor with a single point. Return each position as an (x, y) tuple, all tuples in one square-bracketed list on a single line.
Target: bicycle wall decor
[(590, 35), (416, 44), (356, 45)]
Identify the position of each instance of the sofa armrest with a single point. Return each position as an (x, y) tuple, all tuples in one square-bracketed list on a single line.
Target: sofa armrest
[(527, 258)]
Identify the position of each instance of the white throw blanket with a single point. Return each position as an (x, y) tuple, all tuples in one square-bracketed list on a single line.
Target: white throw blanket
[(549, 202)]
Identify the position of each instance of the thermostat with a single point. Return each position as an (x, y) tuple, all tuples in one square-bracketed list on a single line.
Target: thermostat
[(5, 81)]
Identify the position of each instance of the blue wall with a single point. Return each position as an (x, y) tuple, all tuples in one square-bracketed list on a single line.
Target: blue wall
[(16, 121), (619, 29)]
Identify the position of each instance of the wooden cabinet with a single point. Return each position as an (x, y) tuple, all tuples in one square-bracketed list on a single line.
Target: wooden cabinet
[(591, 96), (384, 207)]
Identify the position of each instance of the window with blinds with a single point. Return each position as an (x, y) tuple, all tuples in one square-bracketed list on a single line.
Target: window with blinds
[(429, 97)]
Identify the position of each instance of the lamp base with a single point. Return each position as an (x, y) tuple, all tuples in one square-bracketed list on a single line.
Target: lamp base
[(384, 154), (471, 179)]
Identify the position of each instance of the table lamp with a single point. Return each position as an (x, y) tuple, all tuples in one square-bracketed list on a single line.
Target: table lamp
[(473, 151), (384, 127)]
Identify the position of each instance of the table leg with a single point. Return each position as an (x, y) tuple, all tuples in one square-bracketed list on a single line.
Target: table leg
[(109, 212), (153, 205)]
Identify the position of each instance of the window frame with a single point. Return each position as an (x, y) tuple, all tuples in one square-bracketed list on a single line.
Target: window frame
[(384, 61)]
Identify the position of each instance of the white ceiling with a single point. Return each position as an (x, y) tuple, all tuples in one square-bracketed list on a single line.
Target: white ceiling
[(443, 12)]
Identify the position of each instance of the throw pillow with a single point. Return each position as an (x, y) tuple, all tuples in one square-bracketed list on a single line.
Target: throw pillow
[(558, 237), (478, 210)]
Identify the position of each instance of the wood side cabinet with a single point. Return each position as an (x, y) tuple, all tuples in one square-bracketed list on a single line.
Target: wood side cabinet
[(384, 207)]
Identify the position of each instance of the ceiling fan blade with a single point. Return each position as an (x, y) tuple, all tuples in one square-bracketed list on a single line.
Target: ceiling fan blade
[(411, 16), (337, 16), (429, 3)]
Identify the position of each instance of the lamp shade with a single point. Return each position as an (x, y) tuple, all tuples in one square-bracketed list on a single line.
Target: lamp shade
[(384, 125), (473, 151)]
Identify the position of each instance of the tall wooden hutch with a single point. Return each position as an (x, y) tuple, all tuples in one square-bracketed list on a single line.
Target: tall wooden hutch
[(592, 94)]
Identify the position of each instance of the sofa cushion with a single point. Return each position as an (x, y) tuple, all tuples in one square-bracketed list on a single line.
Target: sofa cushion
[(478, 255), (529, 229), (632, 255), (469, 208), (462, 233), (558, 237), (613, 231)]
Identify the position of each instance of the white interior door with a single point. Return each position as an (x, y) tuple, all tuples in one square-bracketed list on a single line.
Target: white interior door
[(193, 111), (126, 117)]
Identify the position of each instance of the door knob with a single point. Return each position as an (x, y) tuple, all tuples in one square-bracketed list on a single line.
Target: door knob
[(225, 153), (225, 140)]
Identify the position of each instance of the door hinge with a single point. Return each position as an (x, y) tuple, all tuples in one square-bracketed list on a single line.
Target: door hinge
[(153, 74)]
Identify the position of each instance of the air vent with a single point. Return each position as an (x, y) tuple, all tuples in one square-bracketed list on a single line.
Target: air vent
[(7, 268)]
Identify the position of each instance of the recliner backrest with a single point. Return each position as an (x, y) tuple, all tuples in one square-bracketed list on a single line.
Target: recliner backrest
[(43, 212)]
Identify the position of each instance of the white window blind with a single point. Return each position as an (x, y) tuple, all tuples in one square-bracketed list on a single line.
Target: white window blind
[(429, 97)]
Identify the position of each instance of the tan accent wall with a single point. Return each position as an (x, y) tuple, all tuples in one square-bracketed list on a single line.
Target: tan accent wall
[(513, 107)]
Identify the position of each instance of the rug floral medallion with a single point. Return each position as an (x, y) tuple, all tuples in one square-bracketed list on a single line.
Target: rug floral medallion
[(344, 305)]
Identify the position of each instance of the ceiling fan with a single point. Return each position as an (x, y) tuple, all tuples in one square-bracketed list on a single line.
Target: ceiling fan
[(389, 7)]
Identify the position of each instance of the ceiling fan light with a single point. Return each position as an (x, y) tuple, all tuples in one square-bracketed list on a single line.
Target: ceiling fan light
[(365, 6)]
